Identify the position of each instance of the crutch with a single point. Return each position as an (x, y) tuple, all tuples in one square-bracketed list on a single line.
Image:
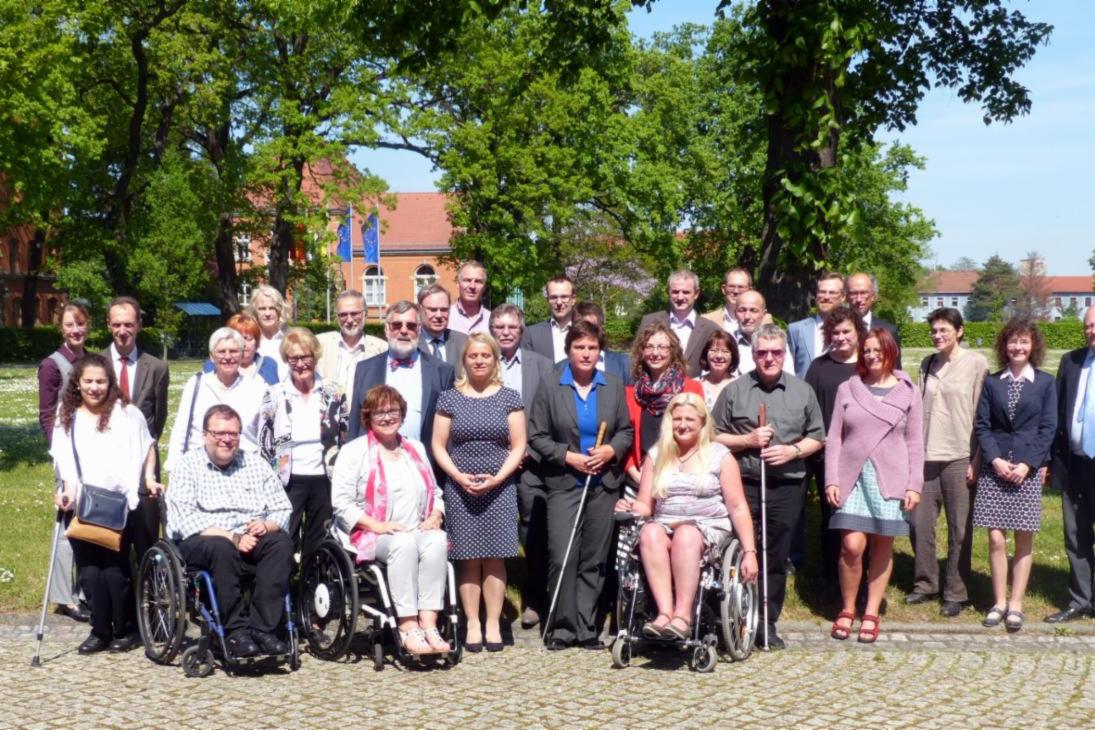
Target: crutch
[(762, 420), (36, 661), (573, 532)]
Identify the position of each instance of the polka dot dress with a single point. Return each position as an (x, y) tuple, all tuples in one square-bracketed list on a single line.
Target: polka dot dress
[(480, 526), (1002, 505)]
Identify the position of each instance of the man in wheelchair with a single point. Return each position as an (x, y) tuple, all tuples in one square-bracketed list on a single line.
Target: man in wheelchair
[(691, 490), (227, 512)]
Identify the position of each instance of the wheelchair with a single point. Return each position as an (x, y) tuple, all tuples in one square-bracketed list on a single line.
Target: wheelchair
[(169, 595), (334, 593), (724, 617)]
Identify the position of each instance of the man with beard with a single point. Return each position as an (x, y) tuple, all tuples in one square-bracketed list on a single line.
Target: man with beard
[(344, 349)]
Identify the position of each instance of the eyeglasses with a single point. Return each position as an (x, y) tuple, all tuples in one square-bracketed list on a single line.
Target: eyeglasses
[(774, 354), (717, 351), (226, 354), (391, 415), (656, 348), (300, 359), (350, 315), (561, 298), (228, 436), (409, 326), (506, 327)]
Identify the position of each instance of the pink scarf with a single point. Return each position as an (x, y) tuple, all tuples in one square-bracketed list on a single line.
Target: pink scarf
[(376, 494)]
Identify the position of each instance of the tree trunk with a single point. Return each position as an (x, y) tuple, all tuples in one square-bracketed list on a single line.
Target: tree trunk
[(227, 282), (29, 314)]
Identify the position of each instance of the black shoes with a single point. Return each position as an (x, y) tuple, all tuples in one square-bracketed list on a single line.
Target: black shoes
[(269, 644), (774, 642), (556, 644), (92, 645), (241, 645), (530, 617), (950, 609), (1069, 614), (593, 644), (76, 613), (125, 643), (915, 598)]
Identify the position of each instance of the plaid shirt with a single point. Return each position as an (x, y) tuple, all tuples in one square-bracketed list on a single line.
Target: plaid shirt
[(203, 495)]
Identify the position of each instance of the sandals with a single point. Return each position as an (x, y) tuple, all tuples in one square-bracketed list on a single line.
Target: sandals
[(1013, 621), (840, 632), (868, 636), (651, 630), (671, 629), (438, 644), (994, 617), (414, 642)]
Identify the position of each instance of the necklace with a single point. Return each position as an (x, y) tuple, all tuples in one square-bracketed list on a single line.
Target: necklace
[(682, 459)]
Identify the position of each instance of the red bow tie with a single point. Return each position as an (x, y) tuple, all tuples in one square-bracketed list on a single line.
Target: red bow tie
[(397, 363)]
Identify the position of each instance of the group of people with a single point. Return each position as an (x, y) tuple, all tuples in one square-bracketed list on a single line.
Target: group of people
[(463, 434)]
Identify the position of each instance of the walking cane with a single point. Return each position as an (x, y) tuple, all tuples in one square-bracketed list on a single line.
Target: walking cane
[(573, 532), (762, 420), (36, 661)]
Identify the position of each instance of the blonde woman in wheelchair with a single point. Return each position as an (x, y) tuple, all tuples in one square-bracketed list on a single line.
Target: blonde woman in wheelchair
[(691, 488)]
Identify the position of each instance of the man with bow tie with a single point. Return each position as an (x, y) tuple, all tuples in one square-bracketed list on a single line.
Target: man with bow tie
[(418, 376)]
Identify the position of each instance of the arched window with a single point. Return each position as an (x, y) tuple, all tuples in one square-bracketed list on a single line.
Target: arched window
[(245, 293), (374, 286), (424, 275)]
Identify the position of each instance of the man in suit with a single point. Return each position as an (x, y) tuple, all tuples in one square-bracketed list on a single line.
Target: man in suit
[(734, 283), (344, 349), (524, 370), (468, 314), (437, 338), (682, 318), (1073, 470), (143, 380), (805, 340), (547, 338), (613, 363), (862, 291), (419, 377)]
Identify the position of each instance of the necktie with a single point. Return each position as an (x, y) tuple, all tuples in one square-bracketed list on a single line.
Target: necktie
[(123, 380), (435, 347), (397, 363), (1087, 436)]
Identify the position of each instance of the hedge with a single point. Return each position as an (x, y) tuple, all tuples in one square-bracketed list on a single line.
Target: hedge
[(1066, 334)]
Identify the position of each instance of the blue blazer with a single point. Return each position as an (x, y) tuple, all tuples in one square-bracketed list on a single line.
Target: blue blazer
[(1029, 435), (437, 376), (800, 343)]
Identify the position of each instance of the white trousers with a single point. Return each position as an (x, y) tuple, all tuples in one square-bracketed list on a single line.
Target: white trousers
[(416, 569)]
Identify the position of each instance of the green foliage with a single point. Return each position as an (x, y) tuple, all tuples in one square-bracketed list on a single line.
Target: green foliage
[(995, 293), (21, 344), (1064, 334)]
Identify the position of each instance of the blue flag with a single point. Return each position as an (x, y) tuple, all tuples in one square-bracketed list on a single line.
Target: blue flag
[(344, 250), (370, 234)]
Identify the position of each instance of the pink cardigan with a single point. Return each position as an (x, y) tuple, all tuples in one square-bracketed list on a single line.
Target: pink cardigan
[(888, 431)]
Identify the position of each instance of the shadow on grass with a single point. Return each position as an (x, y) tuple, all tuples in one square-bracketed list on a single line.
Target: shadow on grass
[(22, 446)]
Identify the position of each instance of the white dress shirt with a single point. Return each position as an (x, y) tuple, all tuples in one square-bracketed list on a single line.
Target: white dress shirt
[(558, 340), (682, 328), (408, 381)]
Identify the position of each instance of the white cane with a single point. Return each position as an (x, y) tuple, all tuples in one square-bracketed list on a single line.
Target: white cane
[(573, 532), (762, 420)]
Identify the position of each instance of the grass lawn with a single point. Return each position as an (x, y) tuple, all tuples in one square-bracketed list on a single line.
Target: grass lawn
[(26, 520)]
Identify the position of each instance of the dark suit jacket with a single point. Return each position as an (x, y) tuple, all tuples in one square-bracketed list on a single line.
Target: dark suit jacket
[(437, 376), (553, 431), (701, 332), (535, 371), (149, 390), (1029, 435), (1068, 385), (537, 337), (454, 345)]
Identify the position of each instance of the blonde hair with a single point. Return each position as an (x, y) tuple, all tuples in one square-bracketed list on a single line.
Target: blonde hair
[(667, 450), (303, 338), (481, 338)]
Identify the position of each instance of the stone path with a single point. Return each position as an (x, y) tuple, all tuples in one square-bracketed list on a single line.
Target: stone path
[(912, 676)]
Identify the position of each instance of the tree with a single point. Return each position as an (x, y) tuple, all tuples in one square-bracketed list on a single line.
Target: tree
[(831, 74), (996, 292), (964, 263), (1036, 291)]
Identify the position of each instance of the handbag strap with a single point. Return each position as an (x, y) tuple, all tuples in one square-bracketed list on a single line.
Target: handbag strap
[(190, 418), (76, 454)]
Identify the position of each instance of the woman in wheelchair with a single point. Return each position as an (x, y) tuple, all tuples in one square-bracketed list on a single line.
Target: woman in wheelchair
[(691, 487), (385, 496)]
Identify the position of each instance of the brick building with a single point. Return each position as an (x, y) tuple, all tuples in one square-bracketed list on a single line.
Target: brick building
[(16, 249)]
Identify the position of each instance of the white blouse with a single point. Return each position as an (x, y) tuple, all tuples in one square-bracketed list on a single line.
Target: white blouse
[(245, 397), (111, 459)]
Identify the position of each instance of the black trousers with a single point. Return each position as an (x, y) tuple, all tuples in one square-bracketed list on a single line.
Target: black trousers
[(784, 501), (532, 505), (828, 540), (576, 610), (1078, 510), (310, 496), (145, 523), (272, 560), (105, 579)]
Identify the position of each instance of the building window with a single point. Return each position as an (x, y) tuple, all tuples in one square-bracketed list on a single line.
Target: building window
[(242, 248), (924, 302), (424, 276), (1087, 301), (939, 301), (1073, 302), (374, 285), (245, 293), (1058, 301), (17, 311), (954, 302), (13, 256)]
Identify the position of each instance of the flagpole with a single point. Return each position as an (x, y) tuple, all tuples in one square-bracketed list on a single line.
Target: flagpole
[(353, 282)]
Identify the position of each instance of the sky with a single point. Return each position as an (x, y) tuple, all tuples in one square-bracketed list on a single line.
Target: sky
[(1005, 189)]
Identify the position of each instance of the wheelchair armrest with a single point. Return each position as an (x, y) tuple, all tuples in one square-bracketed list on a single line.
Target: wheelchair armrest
[(624, 518)]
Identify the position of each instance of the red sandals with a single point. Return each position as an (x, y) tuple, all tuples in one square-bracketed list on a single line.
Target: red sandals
[(868, 636), (838, 632)]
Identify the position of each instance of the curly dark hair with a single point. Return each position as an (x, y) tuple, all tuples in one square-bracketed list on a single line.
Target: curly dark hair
[(839, 314), (676, 353), (73, 398), (1020, 326)]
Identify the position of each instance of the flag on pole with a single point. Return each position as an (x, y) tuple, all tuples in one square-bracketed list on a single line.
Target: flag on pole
[(370, 236), (345, 248)]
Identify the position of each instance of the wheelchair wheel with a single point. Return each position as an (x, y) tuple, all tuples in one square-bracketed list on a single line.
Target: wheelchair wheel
[(738, 605), (621, 652), (161, 602), (197, 663), (704, 658), (329, 602)]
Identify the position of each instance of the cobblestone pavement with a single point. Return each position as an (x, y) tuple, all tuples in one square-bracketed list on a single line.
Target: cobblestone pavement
[(910, 677)]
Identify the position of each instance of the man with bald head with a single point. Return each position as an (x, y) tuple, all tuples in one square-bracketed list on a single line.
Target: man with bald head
[(1073, 471), (751, 313)]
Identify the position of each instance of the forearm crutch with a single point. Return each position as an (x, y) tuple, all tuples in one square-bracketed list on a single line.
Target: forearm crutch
[(36, 660)]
